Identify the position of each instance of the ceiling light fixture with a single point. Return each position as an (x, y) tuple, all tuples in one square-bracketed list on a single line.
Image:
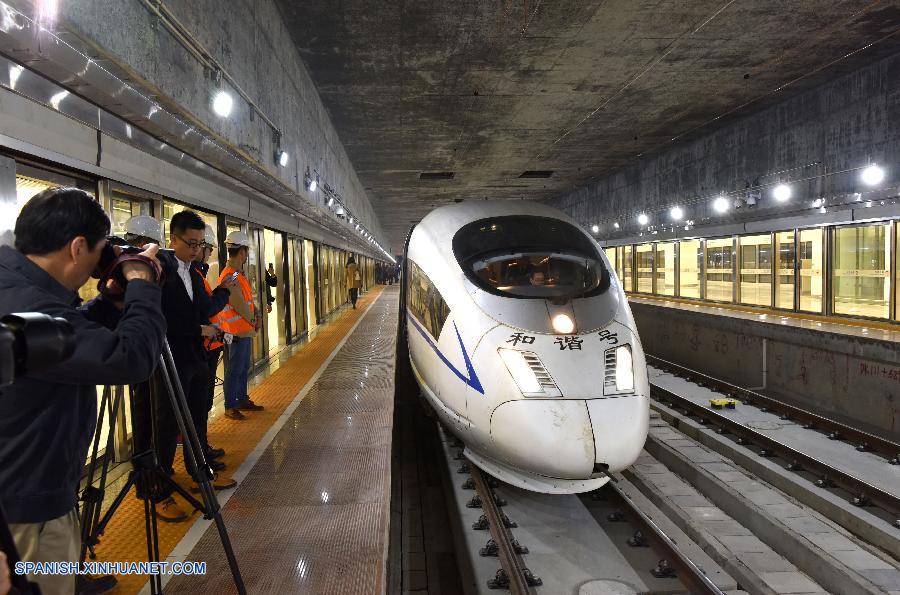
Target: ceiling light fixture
[(643, 219), (595, 228), (616, 225), (281, 157), (676, 213), (222, 103), (872, 175), (720, 205), (782, 192), (312, 183)]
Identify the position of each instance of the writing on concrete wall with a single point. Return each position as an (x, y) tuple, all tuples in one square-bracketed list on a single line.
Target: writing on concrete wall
[(875, 369)]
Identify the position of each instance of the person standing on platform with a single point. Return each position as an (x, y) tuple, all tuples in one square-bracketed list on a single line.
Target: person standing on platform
[(271, 282), (240, 319), (214, 345), (187, 309), (354, 280)]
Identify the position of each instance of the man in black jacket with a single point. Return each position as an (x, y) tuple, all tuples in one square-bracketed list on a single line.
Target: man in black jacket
[(187, 309), (47, 419)]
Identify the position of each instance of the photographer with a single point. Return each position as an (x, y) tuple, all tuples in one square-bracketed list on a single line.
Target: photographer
[(47, 419)]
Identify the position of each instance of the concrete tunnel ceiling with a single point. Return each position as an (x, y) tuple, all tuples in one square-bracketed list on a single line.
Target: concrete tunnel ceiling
[(485, 91)]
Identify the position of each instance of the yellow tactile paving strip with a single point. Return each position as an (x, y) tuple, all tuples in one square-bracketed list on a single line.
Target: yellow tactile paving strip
[(124, 540)]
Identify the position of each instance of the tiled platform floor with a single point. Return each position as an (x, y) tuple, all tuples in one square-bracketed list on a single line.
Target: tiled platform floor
[(311, 515)]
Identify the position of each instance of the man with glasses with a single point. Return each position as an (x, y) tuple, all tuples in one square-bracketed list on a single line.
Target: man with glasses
[(187, 309)]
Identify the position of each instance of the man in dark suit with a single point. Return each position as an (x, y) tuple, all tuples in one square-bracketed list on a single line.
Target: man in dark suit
[(187, 309)]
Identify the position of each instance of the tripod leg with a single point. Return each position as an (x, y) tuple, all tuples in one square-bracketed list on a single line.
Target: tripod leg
[(193, 449), (152, 544), (120, 497), (92, 516), (90, 495)]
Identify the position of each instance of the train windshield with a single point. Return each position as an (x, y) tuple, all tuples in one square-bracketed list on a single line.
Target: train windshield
[(530, 257)]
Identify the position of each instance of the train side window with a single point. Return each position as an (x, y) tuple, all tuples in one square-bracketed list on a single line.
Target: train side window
[(438, 310), (417, 296)]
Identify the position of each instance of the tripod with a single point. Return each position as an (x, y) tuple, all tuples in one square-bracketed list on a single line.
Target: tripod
[(148, 473)]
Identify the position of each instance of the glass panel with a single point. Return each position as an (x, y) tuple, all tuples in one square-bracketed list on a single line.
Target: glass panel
[(719, 270), (273, 290), (620, 261), (690, 259), (756, 269), (31, 181), (253, 271), (611, 257), (309, 283), (627, 268), (122, 209), (862, 285), (644, 264), (292, 283), (812, 256), (665, 268), (543, 275), (785, 258)]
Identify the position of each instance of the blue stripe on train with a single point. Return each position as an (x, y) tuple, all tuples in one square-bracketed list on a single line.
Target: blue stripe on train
[(472, 380)]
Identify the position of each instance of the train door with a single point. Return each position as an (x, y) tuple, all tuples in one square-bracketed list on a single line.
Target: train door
[(309, 284), (273, 290), (295, 287), (253, 269)]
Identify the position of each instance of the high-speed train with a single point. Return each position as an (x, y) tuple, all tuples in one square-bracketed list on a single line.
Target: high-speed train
[(522, 341)]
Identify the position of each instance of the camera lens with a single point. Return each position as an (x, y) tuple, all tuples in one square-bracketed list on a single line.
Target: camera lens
[(39, 340)]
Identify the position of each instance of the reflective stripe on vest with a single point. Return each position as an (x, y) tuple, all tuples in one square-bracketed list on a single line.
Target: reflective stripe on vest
[(231, 321)]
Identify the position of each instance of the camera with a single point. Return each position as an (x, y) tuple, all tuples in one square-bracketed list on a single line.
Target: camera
[(108, 268), (31, 341)]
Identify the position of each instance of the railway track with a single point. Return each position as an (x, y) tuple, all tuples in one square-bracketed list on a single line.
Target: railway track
[(863, 441), (514, 574), (863, 494), (672, 560)]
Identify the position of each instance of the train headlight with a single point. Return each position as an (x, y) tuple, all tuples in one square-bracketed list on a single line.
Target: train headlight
[(520, 370), (619, 370), (563, 324)]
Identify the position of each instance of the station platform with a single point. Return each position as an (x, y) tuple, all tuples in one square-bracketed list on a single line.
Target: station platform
[(844, 369), (311, 509)]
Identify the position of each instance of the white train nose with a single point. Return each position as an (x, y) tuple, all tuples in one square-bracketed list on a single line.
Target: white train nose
[(553, 438), (565, 438), (620, 429)]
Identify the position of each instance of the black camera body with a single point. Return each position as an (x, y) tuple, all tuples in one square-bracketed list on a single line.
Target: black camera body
[(109, 266), (30, 341)]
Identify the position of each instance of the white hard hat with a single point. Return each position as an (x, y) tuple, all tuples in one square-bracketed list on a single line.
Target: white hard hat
[(144, 226), (209, 236), (237, 238)]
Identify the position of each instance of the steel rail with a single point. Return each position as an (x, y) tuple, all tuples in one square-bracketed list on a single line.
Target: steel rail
[(690, 575), (863, 491), (510, 560), (883, 446)]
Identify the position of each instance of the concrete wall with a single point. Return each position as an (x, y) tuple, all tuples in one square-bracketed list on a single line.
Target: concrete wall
[(839, 125), (250, 39), (849, 378)]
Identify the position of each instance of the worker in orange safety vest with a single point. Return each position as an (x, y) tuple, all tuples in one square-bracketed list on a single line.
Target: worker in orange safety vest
[(239, 318)]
